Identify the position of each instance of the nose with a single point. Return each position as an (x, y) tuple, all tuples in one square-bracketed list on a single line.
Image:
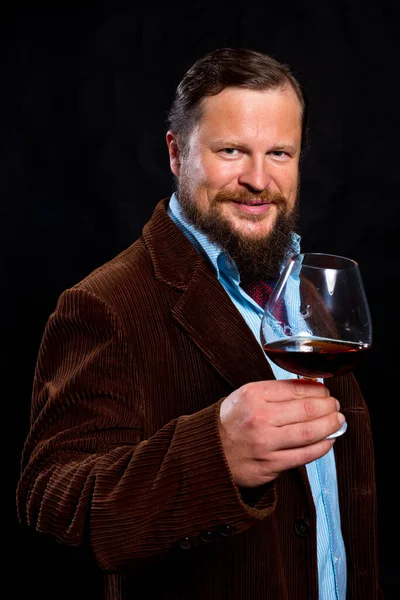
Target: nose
[(255, 174)]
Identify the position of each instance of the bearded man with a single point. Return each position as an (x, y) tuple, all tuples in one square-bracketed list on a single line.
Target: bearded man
[(162, 438)]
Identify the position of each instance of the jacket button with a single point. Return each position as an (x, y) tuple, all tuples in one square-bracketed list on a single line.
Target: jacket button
[(302, 527), (185, 543), (208, 536), (226, 530)]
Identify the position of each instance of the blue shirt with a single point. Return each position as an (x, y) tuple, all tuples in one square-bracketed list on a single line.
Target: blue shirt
[(322, 472)]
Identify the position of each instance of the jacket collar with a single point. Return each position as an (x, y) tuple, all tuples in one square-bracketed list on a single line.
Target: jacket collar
[(203, 309)]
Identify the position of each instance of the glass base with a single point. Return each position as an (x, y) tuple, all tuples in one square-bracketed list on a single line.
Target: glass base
[(338, 432)]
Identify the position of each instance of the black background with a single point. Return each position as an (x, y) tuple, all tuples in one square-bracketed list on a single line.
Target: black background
[(85, 92)]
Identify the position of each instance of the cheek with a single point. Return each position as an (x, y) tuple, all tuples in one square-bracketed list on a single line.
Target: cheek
[(207, 179), (197, 174), (288, 184), (206, 176), (224, 173), (217, 172), (294, 189)]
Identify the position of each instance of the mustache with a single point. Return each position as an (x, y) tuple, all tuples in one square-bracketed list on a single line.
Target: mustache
[(245, 197)]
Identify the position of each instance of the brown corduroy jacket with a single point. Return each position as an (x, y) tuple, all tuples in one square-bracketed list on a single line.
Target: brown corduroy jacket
[(124, 453)]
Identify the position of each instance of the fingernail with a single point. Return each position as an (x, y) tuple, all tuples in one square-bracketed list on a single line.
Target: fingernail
[(337, 405), (341, 418)]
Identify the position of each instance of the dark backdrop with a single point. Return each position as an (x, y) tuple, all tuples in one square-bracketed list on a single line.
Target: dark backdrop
[(86, 92)]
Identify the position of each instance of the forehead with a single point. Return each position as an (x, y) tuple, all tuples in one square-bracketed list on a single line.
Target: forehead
[(257, 110)]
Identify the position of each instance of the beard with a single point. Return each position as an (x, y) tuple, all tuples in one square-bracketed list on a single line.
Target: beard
[(257, 258)]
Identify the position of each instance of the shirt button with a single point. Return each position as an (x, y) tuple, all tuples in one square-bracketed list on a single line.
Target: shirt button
[(302, 528)]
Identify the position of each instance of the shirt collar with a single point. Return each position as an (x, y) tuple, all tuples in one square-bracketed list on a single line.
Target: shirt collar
[(212, 252)]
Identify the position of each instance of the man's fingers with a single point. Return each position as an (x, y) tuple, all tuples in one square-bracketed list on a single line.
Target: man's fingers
[(298, 435), (304, 409), (292, 458), (288, 389)]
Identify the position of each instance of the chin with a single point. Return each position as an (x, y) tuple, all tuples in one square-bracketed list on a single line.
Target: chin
[(253, 230)]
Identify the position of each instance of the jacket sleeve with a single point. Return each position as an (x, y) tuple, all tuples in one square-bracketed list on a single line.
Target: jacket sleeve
[(89, 478)]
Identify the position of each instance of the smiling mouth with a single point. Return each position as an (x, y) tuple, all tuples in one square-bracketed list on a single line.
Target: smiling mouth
[(253, 202), (254, 207)]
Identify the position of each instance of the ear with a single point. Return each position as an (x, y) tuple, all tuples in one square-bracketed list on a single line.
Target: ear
[(173, 149)]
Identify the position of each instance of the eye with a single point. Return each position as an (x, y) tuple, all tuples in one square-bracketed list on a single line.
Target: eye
[(230, 151), (279, 153)]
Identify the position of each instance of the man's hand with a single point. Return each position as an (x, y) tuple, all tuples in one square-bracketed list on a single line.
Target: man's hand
[(267, 427)]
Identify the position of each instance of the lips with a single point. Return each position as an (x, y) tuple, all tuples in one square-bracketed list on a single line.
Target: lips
[(253, 208), (253, 202)]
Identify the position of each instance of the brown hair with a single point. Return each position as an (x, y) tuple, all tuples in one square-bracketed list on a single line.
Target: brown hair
[(228, 67)]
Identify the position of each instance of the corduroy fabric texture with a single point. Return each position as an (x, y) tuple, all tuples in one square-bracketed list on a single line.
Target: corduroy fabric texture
[(124, 453)]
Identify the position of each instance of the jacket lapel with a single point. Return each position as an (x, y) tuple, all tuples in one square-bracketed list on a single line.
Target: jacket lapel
[(210, 318), (204, 309)]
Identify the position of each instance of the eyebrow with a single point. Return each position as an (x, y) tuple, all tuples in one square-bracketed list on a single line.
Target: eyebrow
[(286, 147), (229, 143)]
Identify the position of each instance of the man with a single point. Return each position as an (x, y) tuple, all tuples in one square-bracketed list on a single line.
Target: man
[(162, 439)]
